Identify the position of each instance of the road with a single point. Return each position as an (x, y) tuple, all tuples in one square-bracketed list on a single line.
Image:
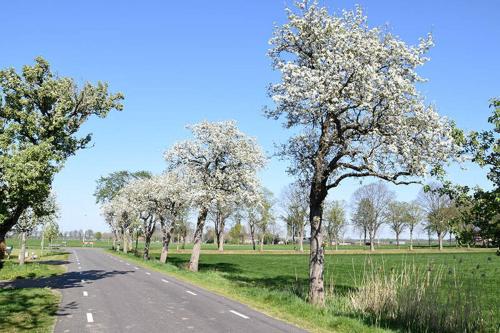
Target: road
[(104, 293)]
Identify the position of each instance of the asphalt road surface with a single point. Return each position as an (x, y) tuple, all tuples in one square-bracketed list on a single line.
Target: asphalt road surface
[(104, 293)]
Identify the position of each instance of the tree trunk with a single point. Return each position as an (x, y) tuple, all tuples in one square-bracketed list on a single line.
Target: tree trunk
[(317, 256), (42, 245), (301, 241), (147, 242), (252, 235), (397, 240), (136, 240), (221, 242), (167, 234), (372, 242), (440, 240), (364, 239), (262, 243), (219, 231), (5, 227), (195, 254), (22, 253), (125, 242), (411, 239)]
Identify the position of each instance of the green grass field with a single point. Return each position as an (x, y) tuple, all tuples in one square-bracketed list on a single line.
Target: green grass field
[(277, 283), (35, 244)]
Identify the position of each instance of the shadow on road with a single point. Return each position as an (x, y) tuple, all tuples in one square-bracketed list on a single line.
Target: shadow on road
[(63, 281)]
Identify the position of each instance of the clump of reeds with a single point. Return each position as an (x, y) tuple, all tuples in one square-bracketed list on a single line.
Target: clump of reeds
[(418, 299)]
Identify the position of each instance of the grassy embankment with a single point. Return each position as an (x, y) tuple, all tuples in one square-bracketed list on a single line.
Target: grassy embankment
[(277, 284), (30, 309)]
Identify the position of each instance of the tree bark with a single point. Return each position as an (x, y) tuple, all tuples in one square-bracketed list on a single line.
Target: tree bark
[(411, 239), (125, 242), (166, 237), (42, 245), (22, 253), (317, 256), (221, 242), (252, 235), (440, 240), (262, 242), (147, 241), (195, 254), (5, 227), (301, 241), (219, 231), (372, 242), (397, 240)]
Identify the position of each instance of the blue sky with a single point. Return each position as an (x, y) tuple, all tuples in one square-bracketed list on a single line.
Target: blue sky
[(185, 61)]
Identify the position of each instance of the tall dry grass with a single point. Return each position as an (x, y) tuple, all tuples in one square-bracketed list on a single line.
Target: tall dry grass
[(418, 299)]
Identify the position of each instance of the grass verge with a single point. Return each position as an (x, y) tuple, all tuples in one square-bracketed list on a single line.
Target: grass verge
[(30, 309)]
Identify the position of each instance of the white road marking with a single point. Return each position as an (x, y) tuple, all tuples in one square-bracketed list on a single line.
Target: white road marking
[(85, 293), (90, 319), (239, 314), (163, 280), (121, 260), (190, 292), (83, 281), (147, 273), (136, 267), (127, 264)]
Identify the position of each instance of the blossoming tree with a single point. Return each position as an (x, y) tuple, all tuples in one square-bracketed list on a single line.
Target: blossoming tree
[(219, 161), (349, 93)]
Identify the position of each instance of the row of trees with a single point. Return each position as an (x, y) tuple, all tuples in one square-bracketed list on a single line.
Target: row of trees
[(214, 174)]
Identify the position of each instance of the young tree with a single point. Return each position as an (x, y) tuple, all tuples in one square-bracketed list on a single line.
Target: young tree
[(439, 209), (237, 232), (51, 231), (412, 217), (371, 202), (335, 221), (295, 203), (219, 161), (40, 116), (98, 236), (252, 218), (349, 93), (265, 215), (395, 217), (221, 211)]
